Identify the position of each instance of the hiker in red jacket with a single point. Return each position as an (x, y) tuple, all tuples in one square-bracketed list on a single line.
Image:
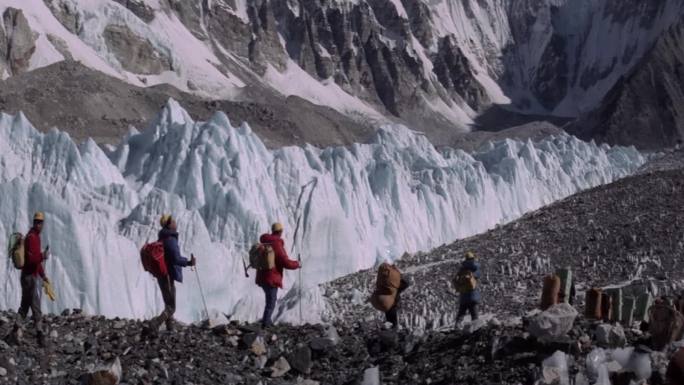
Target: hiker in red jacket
[(30, 275), (271, 280)]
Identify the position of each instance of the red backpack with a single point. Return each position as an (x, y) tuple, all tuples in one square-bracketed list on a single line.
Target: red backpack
[(152, 257)]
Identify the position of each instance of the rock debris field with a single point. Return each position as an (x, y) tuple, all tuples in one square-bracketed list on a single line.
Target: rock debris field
[(631, 230)]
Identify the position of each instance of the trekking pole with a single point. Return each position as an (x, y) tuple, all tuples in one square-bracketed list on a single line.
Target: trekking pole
[(299, 259), (199, 283)]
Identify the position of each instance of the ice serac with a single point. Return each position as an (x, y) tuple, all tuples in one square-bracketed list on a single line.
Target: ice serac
[(361, 204)]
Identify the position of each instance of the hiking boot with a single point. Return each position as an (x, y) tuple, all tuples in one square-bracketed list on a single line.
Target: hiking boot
[(148, 331), (16, 336), (42, 341), (170, 325)]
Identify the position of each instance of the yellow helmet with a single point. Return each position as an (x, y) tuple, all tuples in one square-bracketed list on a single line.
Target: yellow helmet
[(277, 227), (165, 220), (469, 255), (39, 216)]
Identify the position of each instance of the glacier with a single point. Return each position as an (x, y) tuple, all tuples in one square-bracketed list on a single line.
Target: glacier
[(356, 205)]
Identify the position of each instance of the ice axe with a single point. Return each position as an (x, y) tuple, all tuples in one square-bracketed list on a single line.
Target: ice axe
[(244, 265)]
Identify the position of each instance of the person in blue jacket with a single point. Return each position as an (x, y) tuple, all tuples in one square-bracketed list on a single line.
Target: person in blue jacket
[(175, 263), (468, 301)]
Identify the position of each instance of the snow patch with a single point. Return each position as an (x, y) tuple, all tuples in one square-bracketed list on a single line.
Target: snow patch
[(295, 81)]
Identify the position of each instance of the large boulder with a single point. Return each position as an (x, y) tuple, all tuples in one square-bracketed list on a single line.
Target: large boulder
[(612, 336), (553, 323), (555, 369), (371, 376), (109, 374), (300, 359), (280, 367)]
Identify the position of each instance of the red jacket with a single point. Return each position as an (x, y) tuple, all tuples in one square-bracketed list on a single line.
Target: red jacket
[(274, 277), (33, 263)]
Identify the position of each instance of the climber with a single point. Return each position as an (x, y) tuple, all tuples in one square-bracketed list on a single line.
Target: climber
[(389, 284), (271, 280), (175, 263), (470, 295), (391, 315), (30, 273)]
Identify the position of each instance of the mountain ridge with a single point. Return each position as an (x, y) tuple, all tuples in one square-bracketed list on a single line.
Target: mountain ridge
[(425, 64)]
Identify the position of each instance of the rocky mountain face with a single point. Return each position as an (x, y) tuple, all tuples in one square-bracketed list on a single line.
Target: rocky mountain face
[(646, 105), (17, 42), (435, 65)]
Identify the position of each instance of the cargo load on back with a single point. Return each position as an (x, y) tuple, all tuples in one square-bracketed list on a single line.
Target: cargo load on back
[(386, 287)]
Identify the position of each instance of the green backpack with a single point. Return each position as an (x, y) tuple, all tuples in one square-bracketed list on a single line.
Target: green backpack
[(15, 250)]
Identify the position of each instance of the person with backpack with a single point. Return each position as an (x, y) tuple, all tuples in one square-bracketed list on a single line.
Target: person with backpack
[(31, 274), (175, 263), (392, 315), (272, 279), (467, 285), (387, 294)]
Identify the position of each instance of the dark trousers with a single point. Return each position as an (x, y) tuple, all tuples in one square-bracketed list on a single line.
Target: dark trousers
[(168, 291), (271, 294), (467, 306), (392, 315), (30, 299)]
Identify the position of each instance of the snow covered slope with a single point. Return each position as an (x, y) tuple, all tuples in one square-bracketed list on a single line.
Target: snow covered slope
[(417, 61), (359, 205), (86, 40)]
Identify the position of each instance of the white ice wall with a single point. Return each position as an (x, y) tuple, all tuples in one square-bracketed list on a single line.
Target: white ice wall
[(371, 202)]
